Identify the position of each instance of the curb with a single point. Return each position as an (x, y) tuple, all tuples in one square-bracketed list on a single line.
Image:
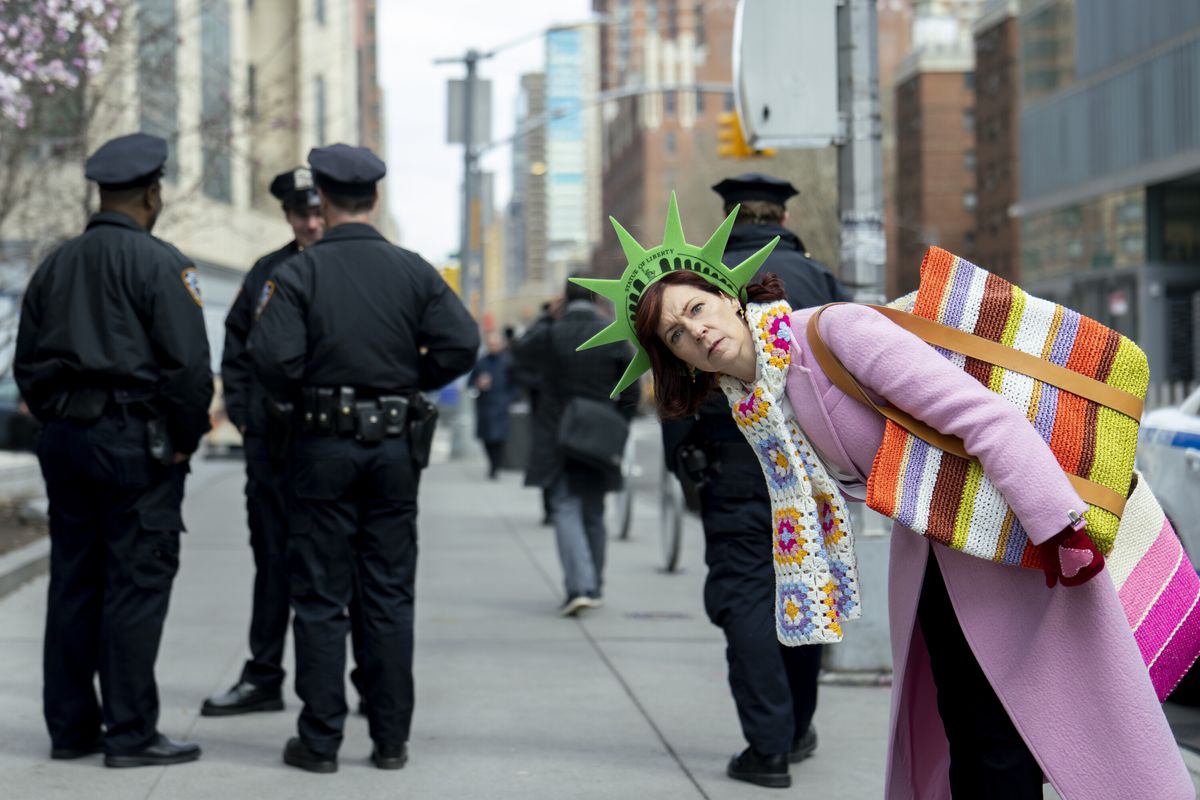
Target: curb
[(23, 565)]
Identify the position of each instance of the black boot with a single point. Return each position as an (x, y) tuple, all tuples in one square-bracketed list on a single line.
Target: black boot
[(297, 754), (763, 770), (158, 753), (242, 699), (389, 756), (803, 747)]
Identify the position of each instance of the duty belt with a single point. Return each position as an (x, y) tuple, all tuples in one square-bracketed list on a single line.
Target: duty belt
[(343, 411)]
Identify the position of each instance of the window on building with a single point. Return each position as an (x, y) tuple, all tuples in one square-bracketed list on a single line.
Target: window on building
[(698, 15), (319, 90), (319, 10), (970, 201), (216, 109), (729, 101), (669, 103), (969, 119), (969, 160), (670, 144), (969, 81), (672, 19), (699, 104), (158, 96)]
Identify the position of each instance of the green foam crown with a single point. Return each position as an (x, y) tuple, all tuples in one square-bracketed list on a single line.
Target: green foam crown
[(647, 266)]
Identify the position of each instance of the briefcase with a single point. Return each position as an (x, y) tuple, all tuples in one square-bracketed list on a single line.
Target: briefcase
[(593, 432)]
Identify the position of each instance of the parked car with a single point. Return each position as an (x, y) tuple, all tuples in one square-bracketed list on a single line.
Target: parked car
[(1169, 456)]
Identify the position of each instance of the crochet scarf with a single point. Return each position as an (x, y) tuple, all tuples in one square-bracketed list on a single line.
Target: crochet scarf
[(816, 579)]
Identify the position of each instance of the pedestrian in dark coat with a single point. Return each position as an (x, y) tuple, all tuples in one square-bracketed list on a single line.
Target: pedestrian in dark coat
[(576, 490), (492, 379), (774, 687), (113, 358)]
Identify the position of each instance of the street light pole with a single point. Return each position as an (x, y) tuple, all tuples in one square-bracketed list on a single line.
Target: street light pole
[(860, 159), (466, 252)]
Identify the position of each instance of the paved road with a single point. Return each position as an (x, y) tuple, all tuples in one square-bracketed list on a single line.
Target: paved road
[(512, 701)]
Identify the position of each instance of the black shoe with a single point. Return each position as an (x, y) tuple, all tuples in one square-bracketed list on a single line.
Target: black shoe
[(68, 753), (389, 756), (803, 747), (242, 699), (159, 753), (297, 754), (754, 767)]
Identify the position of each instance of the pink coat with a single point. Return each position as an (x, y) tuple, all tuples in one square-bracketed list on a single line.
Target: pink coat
[(1062, 661)]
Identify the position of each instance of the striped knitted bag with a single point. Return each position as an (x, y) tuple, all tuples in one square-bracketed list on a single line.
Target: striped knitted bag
[(948, 498), (1158, 588)]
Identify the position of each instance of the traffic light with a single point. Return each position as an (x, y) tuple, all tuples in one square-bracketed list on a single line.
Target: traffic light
[(451, 275), (731, 142)]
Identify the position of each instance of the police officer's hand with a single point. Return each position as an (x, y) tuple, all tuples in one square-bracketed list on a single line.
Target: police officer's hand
[(182, 457)]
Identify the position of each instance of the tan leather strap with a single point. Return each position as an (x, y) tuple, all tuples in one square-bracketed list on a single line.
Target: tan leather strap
[(1093, 493), (1009, 358)]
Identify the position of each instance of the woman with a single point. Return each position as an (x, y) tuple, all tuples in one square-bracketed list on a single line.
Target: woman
[(1027, 679), (491, 380)]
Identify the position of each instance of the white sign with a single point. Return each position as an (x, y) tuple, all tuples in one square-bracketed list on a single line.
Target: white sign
[(785, 73)]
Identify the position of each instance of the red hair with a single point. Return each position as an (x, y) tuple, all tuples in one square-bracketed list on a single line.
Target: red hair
[(678, 391)]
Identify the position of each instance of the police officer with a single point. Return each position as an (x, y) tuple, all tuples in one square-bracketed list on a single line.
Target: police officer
[(112, 356), (774, 687), (260, 687), (353, 330)]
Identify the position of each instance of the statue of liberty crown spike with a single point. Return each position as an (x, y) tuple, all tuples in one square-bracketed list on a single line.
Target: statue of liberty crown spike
[(649, 265)]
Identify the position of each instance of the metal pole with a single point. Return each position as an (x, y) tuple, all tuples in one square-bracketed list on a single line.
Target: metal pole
[(464, 250), (860, 158)]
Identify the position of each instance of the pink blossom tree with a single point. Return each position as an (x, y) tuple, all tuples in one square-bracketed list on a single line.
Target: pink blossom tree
[(50, 45)]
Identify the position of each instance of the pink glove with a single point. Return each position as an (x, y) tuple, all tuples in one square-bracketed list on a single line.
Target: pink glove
[(1071, 556)]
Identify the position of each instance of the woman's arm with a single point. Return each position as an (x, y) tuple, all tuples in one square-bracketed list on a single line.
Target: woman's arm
[(911, 375)]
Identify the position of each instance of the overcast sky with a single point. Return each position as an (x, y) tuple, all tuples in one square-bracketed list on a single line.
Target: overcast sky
[(425, 173)]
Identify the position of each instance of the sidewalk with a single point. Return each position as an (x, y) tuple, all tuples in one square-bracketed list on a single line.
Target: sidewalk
[(630, 701)]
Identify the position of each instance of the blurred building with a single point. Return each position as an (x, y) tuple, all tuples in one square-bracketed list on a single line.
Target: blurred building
[(935, 141), (241, 91), (656, 141), (1110, 167), (997, 109), (573, 213), (525, 218)]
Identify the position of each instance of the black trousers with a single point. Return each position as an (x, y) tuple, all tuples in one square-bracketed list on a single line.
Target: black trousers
[(114, 550), (267, 502), (495, 456), (267, 513), (774, 687), (988, 758), (353, 518)]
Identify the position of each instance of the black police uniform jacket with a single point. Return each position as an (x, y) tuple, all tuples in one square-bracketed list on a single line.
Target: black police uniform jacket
[(241, 389), (116, 308), (356, 310), (549, 348), (736, 500)]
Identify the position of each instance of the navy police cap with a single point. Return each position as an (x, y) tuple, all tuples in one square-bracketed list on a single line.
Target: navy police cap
[(295, 188), (127, 162), (755, 186), (342, 169)]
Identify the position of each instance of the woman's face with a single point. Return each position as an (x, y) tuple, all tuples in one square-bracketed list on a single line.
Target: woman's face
[(703, 329)]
